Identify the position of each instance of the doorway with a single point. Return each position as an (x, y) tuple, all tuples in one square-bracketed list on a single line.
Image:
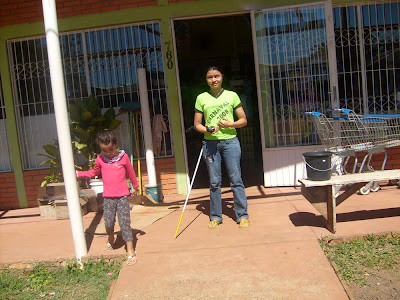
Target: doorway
[(226, 42)]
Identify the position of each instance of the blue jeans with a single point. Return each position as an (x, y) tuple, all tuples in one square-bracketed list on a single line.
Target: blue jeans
[(213, 153)]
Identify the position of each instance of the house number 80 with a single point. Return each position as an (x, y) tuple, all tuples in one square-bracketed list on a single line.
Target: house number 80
[(168, 54)]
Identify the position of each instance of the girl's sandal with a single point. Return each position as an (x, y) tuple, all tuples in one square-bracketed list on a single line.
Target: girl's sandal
[(214, 224), (132, 259), (109, 247), (244, 223)]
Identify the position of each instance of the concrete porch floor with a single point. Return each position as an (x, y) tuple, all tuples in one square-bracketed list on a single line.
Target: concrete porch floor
[(277, 257)]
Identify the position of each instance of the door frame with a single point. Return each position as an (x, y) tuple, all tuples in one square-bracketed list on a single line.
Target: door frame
[(183, 129)]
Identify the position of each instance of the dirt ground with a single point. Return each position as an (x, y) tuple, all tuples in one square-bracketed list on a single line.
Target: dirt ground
[(382, 285)]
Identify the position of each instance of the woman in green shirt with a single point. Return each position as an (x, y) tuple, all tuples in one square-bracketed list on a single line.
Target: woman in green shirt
[(220, 142)]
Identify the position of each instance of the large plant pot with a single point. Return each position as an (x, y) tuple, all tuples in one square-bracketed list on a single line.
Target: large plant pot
[(97, 186)]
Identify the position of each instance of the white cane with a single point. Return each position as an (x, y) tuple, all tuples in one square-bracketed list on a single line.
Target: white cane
[(190, 189)]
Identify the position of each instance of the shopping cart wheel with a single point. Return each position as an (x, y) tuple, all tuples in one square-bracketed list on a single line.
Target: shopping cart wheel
[(365, 190), (375, 188)]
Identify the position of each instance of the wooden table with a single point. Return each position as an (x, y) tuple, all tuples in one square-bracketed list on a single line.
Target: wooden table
[(323, 196)]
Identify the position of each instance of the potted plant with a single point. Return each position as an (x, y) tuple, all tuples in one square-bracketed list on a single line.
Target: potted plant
[(87, 119), (54, 160), (51, 194)]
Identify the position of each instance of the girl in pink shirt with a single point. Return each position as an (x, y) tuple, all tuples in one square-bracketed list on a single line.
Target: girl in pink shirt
[(114, 167)]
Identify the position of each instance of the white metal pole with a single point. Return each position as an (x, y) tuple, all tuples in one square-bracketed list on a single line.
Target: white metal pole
[(362, 61), (148, 141), (64, 137)]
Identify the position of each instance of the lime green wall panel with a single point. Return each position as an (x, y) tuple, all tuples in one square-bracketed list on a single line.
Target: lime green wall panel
[(12, 126)]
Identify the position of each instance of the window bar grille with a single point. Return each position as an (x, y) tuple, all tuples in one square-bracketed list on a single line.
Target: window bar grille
[(119, 73), (372, 79), (46, 77), (71, 56), (37, 66), (101, 61), (102, 42), (273, 79), (86, 64), (161, 86), (293, 71), (362, 62)]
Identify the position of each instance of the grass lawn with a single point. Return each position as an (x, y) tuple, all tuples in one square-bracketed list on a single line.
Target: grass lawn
[(69, 282), (370, 265)]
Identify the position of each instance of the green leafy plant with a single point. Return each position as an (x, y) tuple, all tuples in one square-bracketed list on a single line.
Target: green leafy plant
[(54, 160), (87, 120)]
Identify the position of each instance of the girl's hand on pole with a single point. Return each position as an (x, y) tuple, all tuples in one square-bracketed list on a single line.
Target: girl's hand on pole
[(76, 173)]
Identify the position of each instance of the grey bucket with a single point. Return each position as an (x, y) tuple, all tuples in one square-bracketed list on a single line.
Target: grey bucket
[(318, 165)]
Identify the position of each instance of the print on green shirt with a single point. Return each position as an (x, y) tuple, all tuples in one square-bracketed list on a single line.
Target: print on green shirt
[(215, 109), (220, 112)]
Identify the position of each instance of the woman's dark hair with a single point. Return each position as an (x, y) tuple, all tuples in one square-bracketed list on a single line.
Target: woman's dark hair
[(106, 136), (215, 68)]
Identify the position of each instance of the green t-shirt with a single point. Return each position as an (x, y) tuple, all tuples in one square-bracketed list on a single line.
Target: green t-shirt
[(215, 109)]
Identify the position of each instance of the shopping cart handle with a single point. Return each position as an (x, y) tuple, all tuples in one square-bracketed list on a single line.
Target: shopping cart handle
[(312, 113), (346, 111), (305, 112)]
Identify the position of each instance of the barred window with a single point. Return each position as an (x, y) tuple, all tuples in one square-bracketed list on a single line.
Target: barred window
[(367, 47), (102, 62), (293, 62)]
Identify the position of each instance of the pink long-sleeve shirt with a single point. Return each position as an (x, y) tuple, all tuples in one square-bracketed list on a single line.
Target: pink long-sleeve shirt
[(114, 176)]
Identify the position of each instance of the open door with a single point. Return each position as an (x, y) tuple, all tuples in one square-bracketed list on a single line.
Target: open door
[(198, 46), (295, 62)]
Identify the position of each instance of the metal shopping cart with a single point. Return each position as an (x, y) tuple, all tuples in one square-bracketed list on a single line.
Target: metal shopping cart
[(348, 134), (390, 137)]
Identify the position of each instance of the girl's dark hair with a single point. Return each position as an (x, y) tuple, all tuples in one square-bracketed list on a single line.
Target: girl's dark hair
[(215, 68), (106, 136)]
